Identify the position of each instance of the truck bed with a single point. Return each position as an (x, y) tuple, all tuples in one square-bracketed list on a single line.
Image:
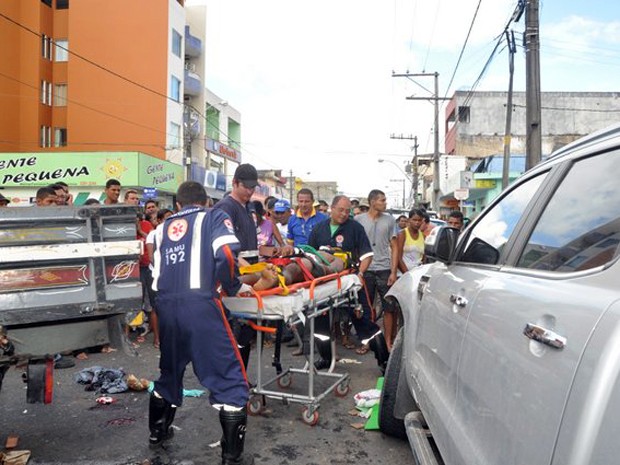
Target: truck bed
[(68, 275)]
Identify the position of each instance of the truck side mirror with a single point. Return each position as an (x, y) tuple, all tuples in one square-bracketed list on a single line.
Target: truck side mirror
[(441, 242)]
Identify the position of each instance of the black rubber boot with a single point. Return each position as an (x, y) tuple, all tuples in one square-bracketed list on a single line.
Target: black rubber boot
[(379, 347), (324, 347), (161, 415), (245, 355), (325, 351), (233, 438)]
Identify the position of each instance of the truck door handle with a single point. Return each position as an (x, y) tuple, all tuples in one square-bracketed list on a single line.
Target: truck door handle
[(458, 300), (544, 336)]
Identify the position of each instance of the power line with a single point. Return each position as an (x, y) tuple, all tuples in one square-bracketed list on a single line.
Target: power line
[(114, 73), (432, 36), (593, 110), (516, 15), (93, 63), (458, 61), (90, 108)]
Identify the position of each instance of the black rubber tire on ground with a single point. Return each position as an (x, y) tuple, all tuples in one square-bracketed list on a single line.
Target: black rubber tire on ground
[(388, 424)]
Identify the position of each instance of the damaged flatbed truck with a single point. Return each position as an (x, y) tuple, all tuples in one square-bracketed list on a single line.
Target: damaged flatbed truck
[(68, 277)]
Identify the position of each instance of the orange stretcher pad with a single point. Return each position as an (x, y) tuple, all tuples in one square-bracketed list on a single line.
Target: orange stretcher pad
[(272, 305)]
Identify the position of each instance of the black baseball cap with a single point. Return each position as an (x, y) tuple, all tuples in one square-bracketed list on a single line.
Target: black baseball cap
[(246, 174)]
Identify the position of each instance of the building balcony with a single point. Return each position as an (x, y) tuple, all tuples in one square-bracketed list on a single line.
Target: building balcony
[(192, 84), (193, 45)]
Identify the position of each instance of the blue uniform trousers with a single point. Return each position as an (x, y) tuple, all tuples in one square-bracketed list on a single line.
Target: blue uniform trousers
[(196, 330)]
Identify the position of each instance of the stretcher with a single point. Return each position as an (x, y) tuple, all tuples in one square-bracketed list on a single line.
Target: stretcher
[(303, 302)]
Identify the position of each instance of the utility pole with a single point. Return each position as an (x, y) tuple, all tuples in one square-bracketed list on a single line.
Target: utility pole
[(436, 151), (414, 164), (510, 38), (290, 186), (403, 181), (187, 143), (532, 85), (414, 184), (435, 99)]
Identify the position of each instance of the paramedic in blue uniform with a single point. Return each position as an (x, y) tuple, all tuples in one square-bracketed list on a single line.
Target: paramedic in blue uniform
[(195, 254), (341, 232), (241, 211)]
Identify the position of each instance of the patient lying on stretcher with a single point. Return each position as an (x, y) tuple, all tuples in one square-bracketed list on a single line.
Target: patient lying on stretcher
[(293, 270)]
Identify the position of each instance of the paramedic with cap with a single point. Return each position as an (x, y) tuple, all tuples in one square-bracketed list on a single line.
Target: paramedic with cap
[(195, 254), (4, 202), (241, 211)]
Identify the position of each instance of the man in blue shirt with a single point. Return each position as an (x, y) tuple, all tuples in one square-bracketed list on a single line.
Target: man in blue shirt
[(195, 254), (306, 217)]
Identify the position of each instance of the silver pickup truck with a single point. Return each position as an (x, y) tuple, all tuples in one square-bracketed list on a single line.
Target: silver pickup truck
[(510, 349), (68, 276)]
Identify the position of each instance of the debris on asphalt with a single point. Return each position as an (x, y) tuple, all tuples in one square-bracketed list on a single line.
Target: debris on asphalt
[(105, 400), (11, 442), (102, 380), (349, 361), (136, 384), (367, 398), (15, 457)]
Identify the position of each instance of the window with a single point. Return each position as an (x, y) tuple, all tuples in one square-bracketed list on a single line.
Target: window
[(46, 47), (175, 135), (60, 137), (62, 4), (463, 114), (45, 137), (47, 2), (60, 95), (177, 41), (46, 93), (61, 50), (486, 241), (580, 227), (175, 89)]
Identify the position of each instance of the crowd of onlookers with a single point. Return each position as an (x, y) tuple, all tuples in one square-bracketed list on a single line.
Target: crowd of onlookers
[(281, 226)]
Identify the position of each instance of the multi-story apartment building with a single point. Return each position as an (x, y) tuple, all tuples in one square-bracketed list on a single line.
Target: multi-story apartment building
[(98, 84), (222, 135)]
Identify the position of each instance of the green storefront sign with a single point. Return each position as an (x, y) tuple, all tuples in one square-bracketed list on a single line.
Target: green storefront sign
[(82, 169)]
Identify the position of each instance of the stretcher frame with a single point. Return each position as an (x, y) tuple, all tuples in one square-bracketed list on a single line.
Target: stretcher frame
[(311, 310)]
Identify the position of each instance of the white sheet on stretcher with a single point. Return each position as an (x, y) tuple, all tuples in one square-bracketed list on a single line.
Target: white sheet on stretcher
[(284, 306)]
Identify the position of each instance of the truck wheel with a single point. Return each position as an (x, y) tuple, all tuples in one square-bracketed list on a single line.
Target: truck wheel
[(388, 424)]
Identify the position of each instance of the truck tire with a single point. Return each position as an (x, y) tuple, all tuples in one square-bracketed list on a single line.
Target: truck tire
[(389, 424)]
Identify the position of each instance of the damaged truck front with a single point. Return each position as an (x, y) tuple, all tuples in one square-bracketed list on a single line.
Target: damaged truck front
[(68, 277)]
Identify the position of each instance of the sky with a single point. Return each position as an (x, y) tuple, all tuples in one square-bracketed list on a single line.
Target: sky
[(313, 80)]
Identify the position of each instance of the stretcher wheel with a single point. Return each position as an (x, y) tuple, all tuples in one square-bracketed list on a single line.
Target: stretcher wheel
[(285, 381), (255, 406), (342, 389), (310, 419)]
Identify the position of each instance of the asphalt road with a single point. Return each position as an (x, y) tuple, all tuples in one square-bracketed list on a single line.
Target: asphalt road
[(74, 429)]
